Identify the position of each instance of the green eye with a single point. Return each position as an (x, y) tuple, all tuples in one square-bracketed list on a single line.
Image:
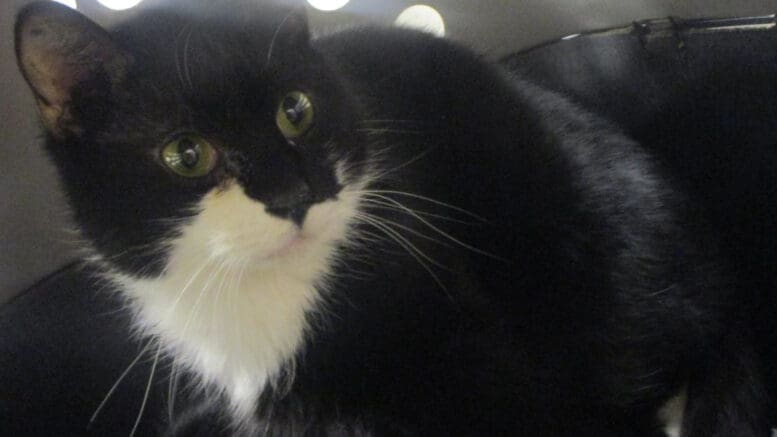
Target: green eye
[(295, 115), (189, 156)]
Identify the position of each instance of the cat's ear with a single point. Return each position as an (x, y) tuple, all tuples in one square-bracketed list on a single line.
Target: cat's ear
[(57, 50), (292, 31), (295, 28)]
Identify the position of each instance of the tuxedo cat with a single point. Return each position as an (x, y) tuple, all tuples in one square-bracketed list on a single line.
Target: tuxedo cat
[(379, 232)]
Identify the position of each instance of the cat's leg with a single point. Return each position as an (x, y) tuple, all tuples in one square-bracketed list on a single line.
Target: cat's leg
[(726, 397)]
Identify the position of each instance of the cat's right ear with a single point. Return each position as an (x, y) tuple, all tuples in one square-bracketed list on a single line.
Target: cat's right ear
[(58, 50)]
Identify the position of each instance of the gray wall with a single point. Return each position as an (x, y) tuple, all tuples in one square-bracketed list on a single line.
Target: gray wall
[(33, 217)]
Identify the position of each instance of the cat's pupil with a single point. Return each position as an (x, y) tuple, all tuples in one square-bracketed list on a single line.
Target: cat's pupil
[(293, 115), (190, 153), (293, 109)]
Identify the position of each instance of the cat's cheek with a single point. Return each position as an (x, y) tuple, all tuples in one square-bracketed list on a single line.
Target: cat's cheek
[(234, 228), (328, 221), (230, 224)]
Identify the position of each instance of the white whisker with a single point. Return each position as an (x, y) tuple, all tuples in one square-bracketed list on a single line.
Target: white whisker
[(386, 130), (378, 204), (440, 231), (186, 71), (405, 228), (411, 250), (203, 291), (275, 36), (403, 165), (148, 391), (172, 389), (118, 382), (399, 238), (419, 197)]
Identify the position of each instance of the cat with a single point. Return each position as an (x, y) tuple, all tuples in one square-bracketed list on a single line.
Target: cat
[(379, 232)]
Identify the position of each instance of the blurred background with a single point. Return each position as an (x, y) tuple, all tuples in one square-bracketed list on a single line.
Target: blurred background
[(35, 237)]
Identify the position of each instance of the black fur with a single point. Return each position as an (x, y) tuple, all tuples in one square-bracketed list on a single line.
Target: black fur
[(583, 302)]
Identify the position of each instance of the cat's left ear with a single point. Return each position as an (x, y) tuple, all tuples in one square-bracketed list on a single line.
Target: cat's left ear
[(59, 49), (292, 31)]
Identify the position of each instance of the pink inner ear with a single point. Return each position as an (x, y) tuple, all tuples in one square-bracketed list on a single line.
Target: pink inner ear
[(57, 50), (53, 77), (46, 60)]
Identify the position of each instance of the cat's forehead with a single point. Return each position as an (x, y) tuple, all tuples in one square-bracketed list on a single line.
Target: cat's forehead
[(220, 38), (194, 60)]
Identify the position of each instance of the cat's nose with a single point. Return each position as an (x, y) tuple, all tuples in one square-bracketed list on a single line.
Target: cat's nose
[(292, 203)]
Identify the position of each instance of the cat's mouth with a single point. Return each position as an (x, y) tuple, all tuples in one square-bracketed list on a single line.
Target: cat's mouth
[(288, 245), (234, 227), (299, 238)]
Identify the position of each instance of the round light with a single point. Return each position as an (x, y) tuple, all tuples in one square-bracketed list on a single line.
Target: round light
[(328, 5), (119, 5), (70, 3), (422, 17)]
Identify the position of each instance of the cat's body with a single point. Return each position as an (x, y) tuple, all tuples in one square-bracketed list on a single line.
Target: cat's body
[(447, 250)]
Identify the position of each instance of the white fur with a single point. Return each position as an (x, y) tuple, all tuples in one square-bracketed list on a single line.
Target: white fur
[(231, 304), (671, 414)]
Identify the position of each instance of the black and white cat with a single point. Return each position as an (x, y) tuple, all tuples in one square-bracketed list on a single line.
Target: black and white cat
[(380, 233)]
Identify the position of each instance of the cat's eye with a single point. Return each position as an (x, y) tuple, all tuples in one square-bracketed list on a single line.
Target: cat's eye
[(295, 115), (189, 156)]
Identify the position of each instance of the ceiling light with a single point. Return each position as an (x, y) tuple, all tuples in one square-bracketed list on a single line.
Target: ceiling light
[(328, 5), (422, 17), (70, 3), (119, 5)]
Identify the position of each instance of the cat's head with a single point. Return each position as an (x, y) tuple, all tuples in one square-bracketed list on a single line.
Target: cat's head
[(222, 134)]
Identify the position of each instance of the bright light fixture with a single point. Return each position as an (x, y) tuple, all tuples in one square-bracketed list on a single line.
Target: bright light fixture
[(70, 3), (328, 5), (422, 17), (119, 5)]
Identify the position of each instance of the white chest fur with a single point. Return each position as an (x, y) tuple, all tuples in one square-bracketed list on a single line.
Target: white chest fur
[(233, 300)]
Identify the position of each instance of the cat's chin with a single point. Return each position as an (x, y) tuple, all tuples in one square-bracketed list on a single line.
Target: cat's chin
[(295, 242), (235, 269)]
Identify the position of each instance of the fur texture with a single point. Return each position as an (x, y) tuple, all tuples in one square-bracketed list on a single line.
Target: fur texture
[(243, 281), (447, 250)]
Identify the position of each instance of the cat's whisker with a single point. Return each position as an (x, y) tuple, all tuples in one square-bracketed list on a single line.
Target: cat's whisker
[(172, 220), (246, 244), (349, 165), (118, 382), (381, 131), (176, 57), (187, 285), (391, 121), (174, 374), (411, 250), (187, 73), (662, 291), (148, 391), (172, 388), (224, 282), (236, 271), (441, 232), (395, 234), (376, 241), (394, 224), (402, 165), (378, 204), (233, 294), (369, 237), (205, 288), (152, 248), (173, 383), (427, 199), (277, 32)]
